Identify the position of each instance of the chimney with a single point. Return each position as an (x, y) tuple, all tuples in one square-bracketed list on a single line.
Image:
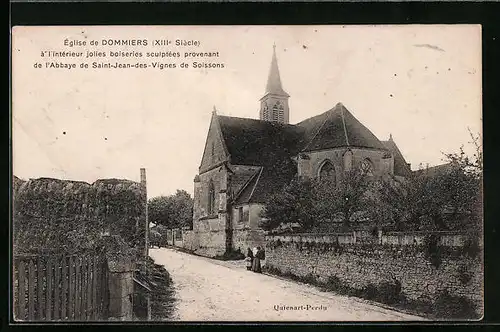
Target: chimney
[(409, 165)]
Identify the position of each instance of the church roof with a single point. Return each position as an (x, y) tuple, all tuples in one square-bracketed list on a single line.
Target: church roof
[(272, 145), (274, 80), (262, 186), (337, 128), (436, 170), (241, 177), (258, 142), (401, 167)]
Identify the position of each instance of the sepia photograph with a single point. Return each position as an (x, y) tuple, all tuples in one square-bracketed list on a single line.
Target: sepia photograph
[(302, 173)]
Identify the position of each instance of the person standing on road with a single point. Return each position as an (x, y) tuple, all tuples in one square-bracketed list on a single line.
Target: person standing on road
[(249, 259), (256, 261)]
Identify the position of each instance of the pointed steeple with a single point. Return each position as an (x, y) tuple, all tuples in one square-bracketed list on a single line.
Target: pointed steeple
[(274, 80), (274, 104)]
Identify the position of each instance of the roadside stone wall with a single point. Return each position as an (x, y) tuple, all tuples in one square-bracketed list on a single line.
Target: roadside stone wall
[(358, 266)]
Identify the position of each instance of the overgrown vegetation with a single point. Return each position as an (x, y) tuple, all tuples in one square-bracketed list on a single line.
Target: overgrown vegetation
[(445, 305), (70, 216), (448, 197), (162, 295)]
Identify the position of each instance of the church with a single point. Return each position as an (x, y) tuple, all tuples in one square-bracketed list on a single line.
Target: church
[(246, 160)]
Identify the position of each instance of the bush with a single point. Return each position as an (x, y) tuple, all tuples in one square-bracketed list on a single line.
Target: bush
[(234, 255), (272, 270), (333, 283), (464, 276), (432, 250), (309, 279), (389, 292), (471, 247), (452, 306), (370, 292)]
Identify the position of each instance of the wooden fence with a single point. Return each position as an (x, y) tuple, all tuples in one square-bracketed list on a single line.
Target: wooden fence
[(59, 288)]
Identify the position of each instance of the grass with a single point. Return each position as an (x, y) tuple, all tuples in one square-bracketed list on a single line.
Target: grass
[(162, 293)]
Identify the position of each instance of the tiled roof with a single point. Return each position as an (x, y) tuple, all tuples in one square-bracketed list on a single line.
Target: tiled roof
[(263, 185), (272, 146), (240, 178), (337, 128), (435, 170), (257, 142), (401, 167)]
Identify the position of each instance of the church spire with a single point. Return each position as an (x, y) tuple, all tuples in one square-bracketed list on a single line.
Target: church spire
[(274, 80), (274, 104)]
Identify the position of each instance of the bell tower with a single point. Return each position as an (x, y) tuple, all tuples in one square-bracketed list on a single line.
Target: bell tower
[(274, 103)]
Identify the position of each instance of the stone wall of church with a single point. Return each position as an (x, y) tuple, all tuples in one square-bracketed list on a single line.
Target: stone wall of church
[(247, 233), (310, 166), (214, 152), (211, 236), (210, 229)]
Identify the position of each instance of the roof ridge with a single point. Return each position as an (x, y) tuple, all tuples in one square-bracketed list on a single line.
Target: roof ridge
[(258, 120), (256, 182), (319, 129), (391, 141), (245, 185), (343, 123)]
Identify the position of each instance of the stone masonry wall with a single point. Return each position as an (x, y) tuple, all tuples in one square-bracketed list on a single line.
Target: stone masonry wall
[(310, 167), (360, 265), (247, 233), (210, 230)]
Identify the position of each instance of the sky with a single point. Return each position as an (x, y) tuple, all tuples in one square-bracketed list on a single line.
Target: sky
[(420, 83)]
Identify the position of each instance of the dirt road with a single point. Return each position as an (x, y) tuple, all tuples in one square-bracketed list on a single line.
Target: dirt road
[(210, 290)]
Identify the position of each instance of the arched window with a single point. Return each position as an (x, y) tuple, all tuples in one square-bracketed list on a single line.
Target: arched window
[(366, 167), (327, 171), (211, 198)]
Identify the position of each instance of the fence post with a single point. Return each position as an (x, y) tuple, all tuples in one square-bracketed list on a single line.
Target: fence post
[(83, 307), (64, 291), (94, 288), (77, 287), (48, 302), (40, 287), (57, 298), (71, 293), (21, 293), (121, 288), (89, 288), (31, 290)]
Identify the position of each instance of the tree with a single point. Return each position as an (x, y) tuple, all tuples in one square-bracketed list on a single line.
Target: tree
[(172, 211), (346, 199), (464, 185), (292, 204), (411, 203), (448, 197), (311, 202)]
